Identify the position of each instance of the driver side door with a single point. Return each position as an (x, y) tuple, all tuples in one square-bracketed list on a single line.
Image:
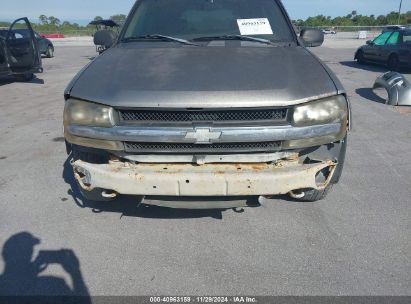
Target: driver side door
[(391, 46), (21, 48), (372, 52)]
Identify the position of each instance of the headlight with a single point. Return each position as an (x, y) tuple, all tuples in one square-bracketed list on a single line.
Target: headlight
[(77, 112), (328, 110)]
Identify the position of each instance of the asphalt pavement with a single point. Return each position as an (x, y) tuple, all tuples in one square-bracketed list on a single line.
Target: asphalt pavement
[(356, 242)]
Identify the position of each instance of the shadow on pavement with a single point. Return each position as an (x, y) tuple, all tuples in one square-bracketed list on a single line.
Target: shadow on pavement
[(22, 272), (4, 80), (369, 94), (366, 67), (372, 67), (90, 57), (133, 206), (36, 80)]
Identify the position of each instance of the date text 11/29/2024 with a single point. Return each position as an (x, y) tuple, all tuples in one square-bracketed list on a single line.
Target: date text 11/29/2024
[(236, 299)]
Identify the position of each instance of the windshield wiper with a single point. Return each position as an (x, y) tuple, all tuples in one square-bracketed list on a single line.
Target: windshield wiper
[(234, 37), (158, 37)]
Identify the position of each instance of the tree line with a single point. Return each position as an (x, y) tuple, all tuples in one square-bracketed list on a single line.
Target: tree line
[(355, 19), (51, 24)]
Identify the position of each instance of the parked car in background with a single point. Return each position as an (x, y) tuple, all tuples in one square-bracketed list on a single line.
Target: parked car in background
[(46, 47), (19, 52), (207, 98), (329, 31), (390, 48), (391, 28)]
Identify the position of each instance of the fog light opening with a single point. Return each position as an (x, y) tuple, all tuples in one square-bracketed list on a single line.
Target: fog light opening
[(321, 176), (82, 177), (324, 176)]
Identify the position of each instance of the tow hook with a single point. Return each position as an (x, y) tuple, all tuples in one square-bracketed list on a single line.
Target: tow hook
[(297, 194), (109, 194)]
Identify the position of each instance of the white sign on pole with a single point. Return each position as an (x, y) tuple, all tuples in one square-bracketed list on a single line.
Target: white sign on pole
[(362, 35)]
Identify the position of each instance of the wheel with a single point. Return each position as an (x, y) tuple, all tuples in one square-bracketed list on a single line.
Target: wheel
[(97, 194), (394, 63), (50, 52), (25, 77), (360, 57)]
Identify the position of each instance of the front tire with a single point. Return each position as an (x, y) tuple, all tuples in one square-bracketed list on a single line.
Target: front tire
[(394, 63), (50, 52), (25, 77), (360, 57)]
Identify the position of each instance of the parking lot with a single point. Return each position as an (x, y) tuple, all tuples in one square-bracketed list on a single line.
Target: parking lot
[(356, 242)]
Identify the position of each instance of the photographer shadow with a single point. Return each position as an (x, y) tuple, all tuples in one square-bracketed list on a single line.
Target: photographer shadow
[(4, 80), (22, 273)]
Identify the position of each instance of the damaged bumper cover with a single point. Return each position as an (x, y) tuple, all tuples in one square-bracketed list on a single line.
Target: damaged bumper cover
[(205, 180), (397, 87)]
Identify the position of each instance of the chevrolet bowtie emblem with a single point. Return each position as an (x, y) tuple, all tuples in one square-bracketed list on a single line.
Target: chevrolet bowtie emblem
[(203, 135)]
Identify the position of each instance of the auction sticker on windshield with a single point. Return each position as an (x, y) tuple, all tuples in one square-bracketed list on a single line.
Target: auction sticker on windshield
[(259, 26)]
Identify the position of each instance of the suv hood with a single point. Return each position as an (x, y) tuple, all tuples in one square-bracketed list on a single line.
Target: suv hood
[(140, 75)]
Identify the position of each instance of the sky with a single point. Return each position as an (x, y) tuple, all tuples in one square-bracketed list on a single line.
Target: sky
[(82, 11)]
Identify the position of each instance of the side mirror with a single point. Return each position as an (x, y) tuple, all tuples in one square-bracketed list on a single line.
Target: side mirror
[(312, 37), (105, 38), (370, 42)]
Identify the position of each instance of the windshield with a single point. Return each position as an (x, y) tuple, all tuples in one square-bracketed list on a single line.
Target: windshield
[(191, 19)]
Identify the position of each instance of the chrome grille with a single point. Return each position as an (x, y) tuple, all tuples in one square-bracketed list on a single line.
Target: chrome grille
[(138, 147), (202, 116)]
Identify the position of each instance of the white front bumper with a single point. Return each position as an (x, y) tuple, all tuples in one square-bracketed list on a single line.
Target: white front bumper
[(203, 180)]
